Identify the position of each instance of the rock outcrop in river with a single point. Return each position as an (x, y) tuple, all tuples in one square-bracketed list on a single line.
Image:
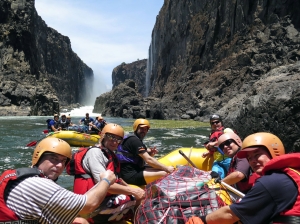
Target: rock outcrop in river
[(235, 58), (38, 69)]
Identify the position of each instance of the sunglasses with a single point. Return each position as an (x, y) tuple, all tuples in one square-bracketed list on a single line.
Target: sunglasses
[(227, 143), (215, 122), (113, 138)]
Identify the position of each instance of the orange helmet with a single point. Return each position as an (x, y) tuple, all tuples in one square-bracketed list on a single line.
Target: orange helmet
[(112, 129), (268, 140), (142, 122), (51, 144), (230, 135)]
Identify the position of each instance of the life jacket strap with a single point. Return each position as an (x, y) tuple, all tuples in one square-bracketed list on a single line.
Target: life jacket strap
[(286, 219), (85, 176)]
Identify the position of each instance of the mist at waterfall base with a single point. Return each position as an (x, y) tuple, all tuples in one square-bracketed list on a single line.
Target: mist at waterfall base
[(18, 131)]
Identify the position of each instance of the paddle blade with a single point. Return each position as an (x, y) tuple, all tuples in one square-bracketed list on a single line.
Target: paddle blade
[(31, 144), (45, 131)]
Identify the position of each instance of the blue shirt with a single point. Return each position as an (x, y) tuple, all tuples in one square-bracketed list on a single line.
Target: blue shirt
[(270, 195)]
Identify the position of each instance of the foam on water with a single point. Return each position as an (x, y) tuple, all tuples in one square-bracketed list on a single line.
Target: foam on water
[(80, 112)]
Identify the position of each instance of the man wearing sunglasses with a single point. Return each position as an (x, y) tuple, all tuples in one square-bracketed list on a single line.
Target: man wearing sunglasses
[(122, 198), (133, 155), (221, 161), (240, 173), (275, 197)]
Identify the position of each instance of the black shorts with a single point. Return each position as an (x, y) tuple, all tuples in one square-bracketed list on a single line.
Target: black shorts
[(132, 176)]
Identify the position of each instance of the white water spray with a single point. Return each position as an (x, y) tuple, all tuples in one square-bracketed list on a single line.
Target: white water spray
[(81, 111)]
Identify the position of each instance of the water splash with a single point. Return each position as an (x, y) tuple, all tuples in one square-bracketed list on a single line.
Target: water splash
[(81, 111)]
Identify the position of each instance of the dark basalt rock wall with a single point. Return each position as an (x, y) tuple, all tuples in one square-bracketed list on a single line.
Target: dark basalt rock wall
[(38, 69), (135, 71), (235, 58)]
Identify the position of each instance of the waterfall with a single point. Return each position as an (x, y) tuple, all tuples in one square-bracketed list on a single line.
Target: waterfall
[(148, 71), (150, 63)]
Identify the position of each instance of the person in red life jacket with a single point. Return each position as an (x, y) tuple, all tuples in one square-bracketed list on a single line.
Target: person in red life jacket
[(122, 198), (133, 155), (31, 195), (275, 195), (221, 161), (240, 173)]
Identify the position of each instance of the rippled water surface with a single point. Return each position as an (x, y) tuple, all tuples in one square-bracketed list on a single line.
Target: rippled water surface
[(17, 132)]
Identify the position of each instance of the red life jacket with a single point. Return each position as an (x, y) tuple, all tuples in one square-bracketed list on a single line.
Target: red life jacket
[(290, 165), (84, 181), (246, 184), (6, 178), (214, 135)]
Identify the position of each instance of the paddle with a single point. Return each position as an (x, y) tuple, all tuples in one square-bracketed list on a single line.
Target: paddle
[(46, 131), (190, 162)]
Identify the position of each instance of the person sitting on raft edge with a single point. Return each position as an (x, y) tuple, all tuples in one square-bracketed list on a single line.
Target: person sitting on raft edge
[(275, 197), (221, 161), (133, 155), (31, 195), (240, 174)]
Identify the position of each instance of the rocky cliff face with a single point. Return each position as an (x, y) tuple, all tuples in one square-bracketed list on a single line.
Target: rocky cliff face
[(135, 71), (235, 58), (38, 69)]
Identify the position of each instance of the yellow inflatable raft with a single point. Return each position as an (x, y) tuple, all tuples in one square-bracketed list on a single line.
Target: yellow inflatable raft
[(76, 138), (174, 158)]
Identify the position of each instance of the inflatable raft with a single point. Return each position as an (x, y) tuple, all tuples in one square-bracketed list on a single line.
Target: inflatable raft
[(175, 159), (76, 138)]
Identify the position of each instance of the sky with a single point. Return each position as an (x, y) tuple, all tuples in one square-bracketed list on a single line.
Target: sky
[(103, 33)]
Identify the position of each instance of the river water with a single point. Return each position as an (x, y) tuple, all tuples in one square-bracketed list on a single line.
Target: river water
[(17, 132)]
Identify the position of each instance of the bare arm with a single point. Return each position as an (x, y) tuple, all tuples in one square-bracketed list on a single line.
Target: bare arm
[(234, 177), (155, 164), (54, 129), (138, 193), (96, 195), (223, 215)]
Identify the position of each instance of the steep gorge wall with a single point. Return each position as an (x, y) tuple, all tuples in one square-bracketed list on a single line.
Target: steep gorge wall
[(38, 69), (236, 58)]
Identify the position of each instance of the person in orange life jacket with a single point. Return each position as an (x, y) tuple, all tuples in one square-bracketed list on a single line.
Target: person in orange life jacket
[(121, 197), (240, 173), (275, 195), (53, 124), (221, 161), (36, 197), (133, 154)]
